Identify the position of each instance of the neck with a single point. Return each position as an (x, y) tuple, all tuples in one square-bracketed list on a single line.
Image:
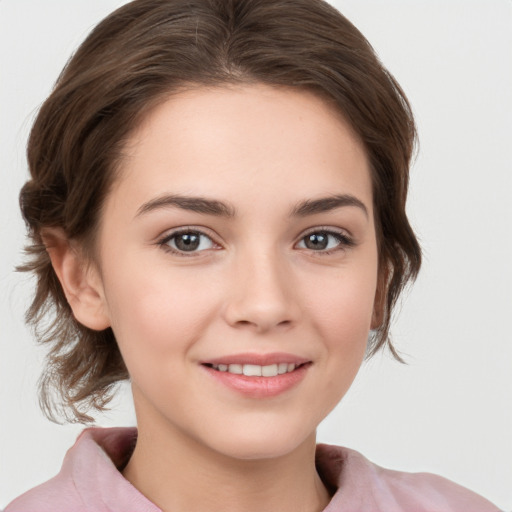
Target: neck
[(180, 474)]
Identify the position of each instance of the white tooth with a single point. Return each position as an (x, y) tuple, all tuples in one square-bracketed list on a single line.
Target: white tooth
[(252, 370), (235, 368), (291, 367), (223, 367), (269, 371), (282, 368)]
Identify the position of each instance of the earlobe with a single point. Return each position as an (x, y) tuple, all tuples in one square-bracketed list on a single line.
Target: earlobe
[(81, 283)]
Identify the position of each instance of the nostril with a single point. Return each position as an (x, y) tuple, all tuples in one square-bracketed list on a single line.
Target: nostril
[(261, 325)]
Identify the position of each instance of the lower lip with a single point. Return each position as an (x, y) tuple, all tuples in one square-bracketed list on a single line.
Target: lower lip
[(260, 387)]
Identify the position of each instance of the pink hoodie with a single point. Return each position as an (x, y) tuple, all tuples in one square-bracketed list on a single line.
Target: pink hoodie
[(89, 481)]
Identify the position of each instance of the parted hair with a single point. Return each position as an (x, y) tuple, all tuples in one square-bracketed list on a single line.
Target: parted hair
[(132, 61)]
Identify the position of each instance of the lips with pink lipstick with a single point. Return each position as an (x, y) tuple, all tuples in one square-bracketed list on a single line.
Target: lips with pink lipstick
[(258, 375)]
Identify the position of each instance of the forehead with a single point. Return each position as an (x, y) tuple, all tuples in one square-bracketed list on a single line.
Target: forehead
[(249, 144)]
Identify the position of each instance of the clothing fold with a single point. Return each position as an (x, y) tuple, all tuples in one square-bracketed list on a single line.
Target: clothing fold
[(90, 481)]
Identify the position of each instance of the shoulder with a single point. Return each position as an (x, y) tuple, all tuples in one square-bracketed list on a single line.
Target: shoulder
[(362, 485), (58, 494), (54, 495), (89, 479)]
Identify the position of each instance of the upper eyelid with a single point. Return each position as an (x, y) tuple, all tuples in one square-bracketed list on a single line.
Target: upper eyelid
[(323, 228), (206, 231), (326, 229), (169, 233)]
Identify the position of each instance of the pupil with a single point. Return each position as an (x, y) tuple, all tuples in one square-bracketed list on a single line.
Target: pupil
[(316, 241), (187, 242)]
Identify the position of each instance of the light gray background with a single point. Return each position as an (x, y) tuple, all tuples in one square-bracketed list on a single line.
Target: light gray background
[(449, 411)]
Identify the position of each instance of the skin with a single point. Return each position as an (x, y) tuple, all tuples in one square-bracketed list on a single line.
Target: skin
[(253, 286)]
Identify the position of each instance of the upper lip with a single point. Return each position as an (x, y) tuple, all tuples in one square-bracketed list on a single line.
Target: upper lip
[(257, 359)]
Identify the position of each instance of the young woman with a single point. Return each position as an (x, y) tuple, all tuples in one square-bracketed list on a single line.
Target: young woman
[(217, 209)]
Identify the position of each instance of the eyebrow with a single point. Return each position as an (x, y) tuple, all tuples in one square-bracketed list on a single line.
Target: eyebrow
[(221, 209), (194, 204), (325, 204)]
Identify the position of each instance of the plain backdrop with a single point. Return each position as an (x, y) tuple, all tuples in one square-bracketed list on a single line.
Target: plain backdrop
[(449, 410)]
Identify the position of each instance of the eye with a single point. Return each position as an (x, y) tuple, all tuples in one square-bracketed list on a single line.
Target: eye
[(325, 241), (187, 241)]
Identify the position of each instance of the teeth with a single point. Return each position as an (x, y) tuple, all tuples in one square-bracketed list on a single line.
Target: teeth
[(252, 370), (235, 368), (255, 370), (282, 368), (269, 371)]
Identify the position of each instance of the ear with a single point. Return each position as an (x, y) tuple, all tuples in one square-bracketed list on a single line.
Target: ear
[(379, 304), (80, 281)]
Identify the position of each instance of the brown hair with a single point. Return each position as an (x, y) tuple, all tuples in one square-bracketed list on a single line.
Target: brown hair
[(133, 60)]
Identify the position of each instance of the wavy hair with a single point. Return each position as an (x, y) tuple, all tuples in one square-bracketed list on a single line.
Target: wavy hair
[(132, 61)]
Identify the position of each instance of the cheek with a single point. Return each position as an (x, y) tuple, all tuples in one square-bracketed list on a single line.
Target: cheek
[(156, 311), (343, 308), (340, 312)]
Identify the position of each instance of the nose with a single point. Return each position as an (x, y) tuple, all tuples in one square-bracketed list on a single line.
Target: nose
[(262, 294)]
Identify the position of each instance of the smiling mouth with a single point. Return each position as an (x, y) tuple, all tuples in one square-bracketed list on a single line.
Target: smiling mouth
[(255, 370)]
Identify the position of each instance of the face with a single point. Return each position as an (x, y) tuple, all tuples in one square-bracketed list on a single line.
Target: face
[(238, 265)]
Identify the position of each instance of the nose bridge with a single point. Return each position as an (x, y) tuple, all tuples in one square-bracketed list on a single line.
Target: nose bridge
[(262, 290)]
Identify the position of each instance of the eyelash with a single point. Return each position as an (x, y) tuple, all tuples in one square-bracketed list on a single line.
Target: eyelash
[(344, 241), (164, 242)]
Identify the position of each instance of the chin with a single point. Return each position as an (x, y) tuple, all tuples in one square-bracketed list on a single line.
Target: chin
[(262, 443)]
